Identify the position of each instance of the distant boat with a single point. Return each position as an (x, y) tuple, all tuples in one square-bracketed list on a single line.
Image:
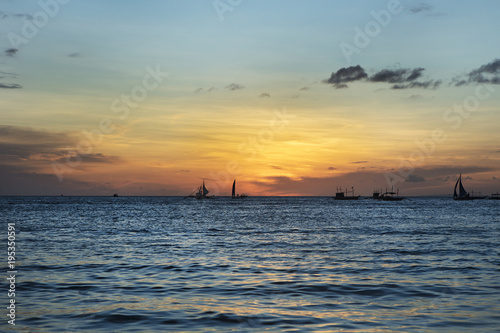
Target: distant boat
[(202, 192), (237, 196), (387, 195), (495, 196), (462, 194), (344, 195)]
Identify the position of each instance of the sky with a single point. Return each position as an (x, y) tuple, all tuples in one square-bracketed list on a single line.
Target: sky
[(287, 97)]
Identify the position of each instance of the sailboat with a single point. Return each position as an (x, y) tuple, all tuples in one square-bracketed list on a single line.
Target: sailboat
[(202, 192), (237, 196), (462, 193)]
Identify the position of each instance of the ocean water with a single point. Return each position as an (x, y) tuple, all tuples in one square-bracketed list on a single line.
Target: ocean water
[(263, 264)]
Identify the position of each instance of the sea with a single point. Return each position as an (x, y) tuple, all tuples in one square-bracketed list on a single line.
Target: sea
[(260, 264)]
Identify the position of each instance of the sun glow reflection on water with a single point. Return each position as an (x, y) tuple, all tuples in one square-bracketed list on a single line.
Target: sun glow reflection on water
[(354, 267)]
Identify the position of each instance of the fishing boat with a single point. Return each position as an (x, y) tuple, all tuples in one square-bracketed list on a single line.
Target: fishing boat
[(495, 196), (462, 194), (387, 195), (340, 195), (237, 196), (202, 192)]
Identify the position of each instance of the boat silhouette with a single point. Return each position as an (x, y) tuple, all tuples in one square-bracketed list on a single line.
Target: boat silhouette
[(339, 195), (237, 196), (462, 194)]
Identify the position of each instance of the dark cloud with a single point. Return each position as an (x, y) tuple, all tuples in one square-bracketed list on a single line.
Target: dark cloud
[(234, 86), (400, 78), (420, 8), (266, 94), (10, 86), (24, 143), (4, 16), (347, 74), (415, 179), (74, 55), (397, 75), (11, 52), (489, 73), (431, 84)]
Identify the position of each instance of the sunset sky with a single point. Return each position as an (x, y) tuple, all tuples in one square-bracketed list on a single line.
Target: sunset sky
[(288, 97)]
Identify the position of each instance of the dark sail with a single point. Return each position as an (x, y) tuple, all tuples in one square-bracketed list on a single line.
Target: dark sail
[(205, 191), (234, 189), (462, 192)]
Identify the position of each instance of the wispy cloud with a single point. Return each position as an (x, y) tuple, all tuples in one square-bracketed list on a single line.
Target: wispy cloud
[(400, 78), (4, 16), (234, 86), (11, 52), (489, 73), (265, 94), (420, 8), (10, 86)]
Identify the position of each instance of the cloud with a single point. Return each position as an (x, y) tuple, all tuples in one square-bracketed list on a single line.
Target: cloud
[(489, 73), (4, 16), (404, 78), (359, 162), (11, 52), (21, 144), (305, 89), (331, 168), (415, 179), (74, 55), (420, 8), (10, 86), (400, 78), (347, 74), (199, 90), (234, 86), (397, 75), (266, 94)]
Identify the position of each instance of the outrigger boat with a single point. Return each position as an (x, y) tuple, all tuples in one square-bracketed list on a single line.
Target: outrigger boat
[(495, 196), (387, 196), (202, 192), (339, 195)]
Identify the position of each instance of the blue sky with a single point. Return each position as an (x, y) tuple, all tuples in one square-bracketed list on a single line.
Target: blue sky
[(226, 78)]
